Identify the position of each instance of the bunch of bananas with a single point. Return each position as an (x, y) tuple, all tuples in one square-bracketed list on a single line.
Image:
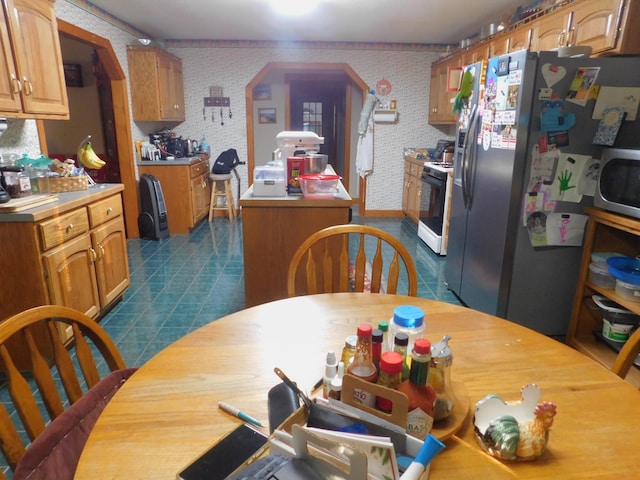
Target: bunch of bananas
[(88, 157)]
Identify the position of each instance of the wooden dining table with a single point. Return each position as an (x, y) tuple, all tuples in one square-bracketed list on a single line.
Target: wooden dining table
[(167, 413)]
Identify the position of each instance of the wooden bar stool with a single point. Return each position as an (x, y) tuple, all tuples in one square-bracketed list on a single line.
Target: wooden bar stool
[(221, 189)]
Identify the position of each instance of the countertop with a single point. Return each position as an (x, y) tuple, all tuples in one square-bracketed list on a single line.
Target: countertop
[(66, 201), (177, 161)]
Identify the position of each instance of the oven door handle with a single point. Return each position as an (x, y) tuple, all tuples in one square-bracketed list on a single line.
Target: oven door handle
[(468, 151)]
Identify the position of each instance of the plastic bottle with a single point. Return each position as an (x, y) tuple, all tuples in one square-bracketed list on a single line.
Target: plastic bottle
[(204, 146), (362, 365), (335, 387), (330, 370), (376, 347), (384, 327), (407, 319), (400, 342), (422, 396), (390, 376), (348, 350)]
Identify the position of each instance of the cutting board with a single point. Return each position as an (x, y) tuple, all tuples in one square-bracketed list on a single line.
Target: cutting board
[(19, 204)]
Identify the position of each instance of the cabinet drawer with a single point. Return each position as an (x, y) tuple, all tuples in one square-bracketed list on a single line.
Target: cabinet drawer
[(198, 169), (60, 229), (104, 210)]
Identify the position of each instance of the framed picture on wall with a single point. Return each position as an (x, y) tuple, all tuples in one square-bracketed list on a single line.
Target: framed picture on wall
[(267, 115), (262, 92), (72, 75)]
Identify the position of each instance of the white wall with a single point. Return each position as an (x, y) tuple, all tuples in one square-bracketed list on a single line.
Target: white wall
[(232, 67)]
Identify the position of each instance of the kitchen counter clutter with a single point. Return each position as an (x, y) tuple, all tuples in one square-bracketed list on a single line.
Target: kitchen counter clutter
[(273, 228), (71, 252)]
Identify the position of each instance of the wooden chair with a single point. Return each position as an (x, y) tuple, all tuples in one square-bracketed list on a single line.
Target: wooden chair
[(56, 438), (328, 268), (628, 353)]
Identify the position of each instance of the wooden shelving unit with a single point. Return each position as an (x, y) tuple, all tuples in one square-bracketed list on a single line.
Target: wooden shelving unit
[(606, 232)]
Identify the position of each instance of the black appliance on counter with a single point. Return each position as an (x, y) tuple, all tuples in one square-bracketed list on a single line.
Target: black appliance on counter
[(152, 221), (169, 144)]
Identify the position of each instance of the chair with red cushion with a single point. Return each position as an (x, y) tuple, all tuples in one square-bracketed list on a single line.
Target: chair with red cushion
[(74, 380)]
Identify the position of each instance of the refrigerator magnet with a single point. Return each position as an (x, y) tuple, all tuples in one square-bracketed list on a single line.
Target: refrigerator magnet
[(537, 229)]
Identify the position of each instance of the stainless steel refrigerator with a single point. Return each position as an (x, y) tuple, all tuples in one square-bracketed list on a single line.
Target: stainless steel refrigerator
[(491, 263)]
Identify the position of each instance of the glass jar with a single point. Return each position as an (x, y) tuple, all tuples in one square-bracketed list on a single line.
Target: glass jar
[(348, 350), (440, 379), (390, 376)]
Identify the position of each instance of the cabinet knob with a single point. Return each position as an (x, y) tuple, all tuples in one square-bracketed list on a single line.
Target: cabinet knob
[(92, 254), (101, 249), (70, 227), (109, 210)]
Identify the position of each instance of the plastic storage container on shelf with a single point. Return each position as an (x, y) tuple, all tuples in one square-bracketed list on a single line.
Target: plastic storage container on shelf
[(628, 291), (626, 269), (599, 275)]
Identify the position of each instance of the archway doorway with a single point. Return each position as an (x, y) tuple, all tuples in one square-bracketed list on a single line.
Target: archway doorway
[(359, 87), (121, 119)]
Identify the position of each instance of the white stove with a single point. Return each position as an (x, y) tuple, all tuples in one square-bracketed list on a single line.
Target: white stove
[(435, 204)]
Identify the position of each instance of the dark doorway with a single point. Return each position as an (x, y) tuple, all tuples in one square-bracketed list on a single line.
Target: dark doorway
[(318, 105), (105, 98)]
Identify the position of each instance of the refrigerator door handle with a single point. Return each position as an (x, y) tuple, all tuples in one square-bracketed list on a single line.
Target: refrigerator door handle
[(466, 158)]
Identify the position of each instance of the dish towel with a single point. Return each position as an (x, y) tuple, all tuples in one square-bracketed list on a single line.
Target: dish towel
[(364, 151)]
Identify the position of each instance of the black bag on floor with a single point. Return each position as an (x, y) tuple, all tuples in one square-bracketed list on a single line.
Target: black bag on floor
[(226, 161)]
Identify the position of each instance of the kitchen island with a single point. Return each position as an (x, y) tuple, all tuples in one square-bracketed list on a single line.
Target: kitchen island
[(273, 228)]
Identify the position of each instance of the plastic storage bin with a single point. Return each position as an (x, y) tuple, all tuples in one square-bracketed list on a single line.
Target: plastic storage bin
[(628, 291), (599, 275)]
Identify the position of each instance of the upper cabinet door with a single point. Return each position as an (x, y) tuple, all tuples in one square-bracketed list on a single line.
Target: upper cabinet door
[(551, 31), (34, 32), (595, 24), (9, 84)]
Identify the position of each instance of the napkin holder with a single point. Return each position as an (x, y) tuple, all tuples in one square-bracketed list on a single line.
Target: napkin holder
[(392, 424)]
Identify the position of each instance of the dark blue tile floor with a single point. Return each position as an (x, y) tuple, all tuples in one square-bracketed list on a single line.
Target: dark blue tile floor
[(185, 281)]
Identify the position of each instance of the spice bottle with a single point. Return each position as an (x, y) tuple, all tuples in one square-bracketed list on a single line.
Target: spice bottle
[(362, 365), (376, 347), (390, 376), (348, 350), (330, 370), (400, 343), (335, 387), (384, 327), (422, 396), (407, 319)]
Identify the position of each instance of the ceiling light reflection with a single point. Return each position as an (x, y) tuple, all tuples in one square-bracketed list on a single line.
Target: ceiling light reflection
[(294, 7)]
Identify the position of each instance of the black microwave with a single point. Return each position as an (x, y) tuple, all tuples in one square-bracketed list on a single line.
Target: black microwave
[(618, 187)]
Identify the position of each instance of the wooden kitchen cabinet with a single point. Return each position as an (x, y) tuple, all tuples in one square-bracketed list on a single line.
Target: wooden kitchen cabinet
[(71, 252), (607, 26), (412, 188), (186, 189), (440, 98), (157, 85), (606, 232), (32, 81)]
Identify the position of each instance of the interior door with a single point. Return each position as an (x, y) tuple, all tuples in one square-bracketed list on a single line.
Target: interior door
[(318, 105)]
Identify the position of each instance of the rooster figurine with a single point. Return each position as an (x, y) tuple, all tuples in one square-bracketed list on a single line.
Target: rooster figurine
[(514, 430)]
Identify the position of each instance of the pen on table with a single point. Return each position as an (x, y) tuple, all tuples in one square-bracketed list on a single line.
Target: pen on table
[(240, 414)]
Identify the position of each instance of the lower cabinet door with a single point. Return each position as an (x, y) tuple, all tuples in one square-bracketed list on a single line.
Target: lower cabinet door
[(111, 266), (71, 275)]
